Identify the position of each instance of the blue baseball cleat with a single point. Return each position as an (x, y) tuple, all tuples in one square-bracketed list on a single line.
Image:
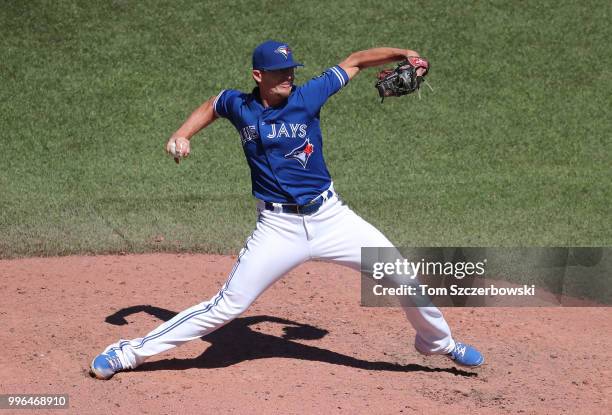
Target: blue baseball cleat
[(466, 355), (105, 365)]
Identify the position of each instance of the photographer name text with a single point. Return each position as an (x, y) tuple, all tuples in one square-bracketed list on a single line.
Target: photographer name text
[(453, 290)]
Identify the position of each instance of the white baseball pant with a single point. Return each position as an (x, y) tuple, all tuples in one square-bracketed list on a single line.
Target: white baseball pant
[(280, 242)]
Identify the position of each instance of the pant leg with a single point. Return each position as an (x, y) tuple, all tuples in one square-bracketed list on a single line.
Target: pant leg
[(276, 246), (340, 234)]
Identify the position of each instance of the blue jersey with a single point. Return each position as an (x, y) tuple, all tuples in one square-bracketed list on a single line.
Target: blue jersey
[(283, 145)]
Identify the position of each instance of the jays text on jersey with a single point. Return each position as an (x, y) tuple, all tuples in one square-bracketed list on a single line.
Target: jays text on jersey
[(283, 145)]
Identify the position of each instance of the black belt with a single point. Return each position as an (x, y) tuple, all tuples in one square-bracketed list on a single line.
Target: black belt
[(307, 209)]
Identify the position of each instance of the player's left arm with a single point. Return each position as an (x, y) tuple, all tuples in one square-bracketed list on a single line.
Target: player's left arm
[(316, 91), (373, 57)]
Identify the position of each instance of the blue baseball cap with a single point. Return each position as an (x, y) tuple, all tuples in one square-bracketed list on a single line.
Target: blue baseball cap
[(272, 55)]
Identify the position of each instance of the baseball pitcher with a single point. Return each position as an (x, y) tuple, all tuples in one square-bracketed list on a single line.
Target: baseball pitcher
[(301, 217)]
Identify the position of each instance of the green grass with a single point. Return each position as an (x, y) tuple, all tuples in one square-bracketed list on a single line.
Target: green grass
[(512, 149)]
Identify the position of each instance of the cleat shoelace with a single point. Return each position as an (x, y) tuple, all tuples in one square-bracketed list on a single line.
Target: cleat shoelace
[(460, 350), (114, 361)]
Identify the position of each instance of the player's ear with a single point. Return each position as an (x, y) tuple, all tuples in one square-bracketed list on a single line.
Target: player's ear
[(257, 76)]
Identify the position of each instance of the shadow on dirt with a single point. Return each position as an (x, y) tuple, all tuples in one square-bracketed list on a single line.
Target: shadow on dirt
[(237, 342)]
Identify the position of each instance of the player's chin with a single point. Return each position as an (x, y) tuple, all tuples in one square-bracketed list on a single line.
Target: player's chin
[(284, 90)]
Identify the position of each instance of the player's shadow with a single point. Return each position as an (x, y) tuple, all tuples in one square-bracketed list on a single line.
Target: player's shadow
[(237, 342)]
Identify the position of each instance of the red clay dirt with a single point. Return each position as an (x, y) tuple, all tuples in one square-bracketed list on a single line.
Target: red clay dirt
[(306, 346)]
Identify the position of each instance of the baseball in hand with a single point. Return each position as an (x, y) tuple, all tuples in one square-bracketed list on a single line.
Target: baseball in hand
[(178, 148), (174, 152)]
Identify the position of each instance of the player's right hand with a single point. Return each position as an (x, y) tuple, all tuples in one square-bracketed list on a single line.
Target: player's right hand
[(178, 148)]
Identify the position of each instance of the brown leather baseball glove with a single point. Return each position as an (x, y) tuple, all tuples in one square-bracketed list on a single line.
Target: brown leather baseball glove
[(404, 79)]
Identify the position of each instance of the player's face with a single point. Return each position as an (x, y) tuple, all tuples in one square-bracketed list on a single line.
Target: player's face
[(276, 82)]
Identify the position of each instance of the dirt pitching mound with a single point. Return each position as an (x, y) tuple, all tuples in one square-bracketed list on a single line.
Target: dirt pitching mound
[(305, 346)]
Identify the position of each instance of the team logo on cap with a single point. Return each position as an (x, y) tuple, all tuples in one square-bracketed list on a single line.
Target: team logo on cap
[(283, 50), (301, 153)]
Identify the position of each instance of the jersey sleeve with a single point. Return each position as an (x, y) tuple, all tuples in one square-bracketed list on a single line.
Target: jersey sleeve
[(316, 91), (225, 101)]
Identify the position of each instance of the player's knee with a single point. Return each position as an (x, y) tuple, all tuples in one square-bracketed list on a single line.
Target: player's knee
[(234, 304)]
